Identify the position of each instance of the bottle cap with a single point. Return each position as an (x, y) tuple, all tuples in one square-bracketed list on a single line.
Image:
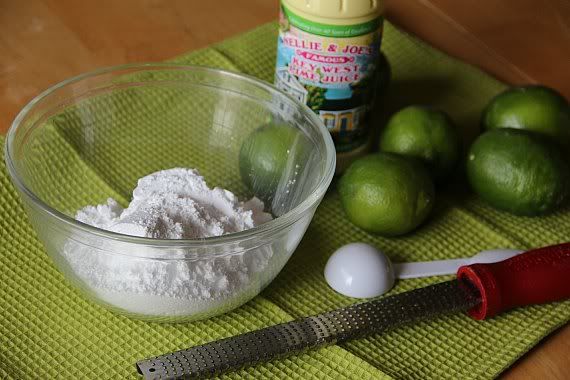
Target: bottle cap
[(336, 11)]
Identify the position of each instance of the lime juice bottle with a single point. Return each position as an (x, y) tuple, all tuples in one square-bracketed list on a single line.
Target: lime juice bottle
[(328, 57)]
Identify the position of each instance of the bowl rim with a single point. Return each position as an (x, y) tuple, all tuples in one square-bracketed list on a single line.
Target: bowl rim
[(263, 230)]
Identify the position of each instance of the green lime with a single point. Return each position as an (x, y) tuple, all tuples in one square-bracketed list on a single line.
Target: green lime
[(271, 154), (518, 171), (424, 133), (534, 108), (386, 193)]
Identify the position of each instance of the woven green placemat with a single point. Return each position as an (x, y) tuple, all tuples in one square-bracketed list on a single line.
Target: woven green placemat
[(48, 330)]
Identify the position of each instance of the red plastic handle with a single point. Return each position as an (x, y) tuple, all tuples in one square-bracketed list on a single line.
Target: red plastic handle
[(537, 276)]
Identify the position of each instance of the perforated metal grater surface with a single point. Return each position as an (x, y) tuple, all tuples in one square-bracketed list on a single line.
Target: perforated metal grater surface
[(319, 330)]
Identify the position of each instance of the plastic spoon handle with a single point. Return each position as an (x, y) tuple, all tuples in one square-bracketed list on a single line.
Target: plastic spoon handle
[(443, 267), (537, 276), (493, 256), (428, 268)]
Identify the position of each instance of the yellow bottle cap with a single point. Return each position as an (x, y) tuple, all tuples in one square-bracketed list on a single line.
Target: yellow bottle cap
[(337, 12)]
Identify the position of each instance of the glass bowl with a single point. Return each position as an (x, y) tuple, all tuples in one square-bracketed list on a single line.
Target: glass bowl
[(91, 137)]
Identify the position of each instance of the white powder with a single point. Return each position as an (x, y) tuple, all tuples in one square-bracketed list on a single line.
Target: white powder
[(176, 204), (171, 204)]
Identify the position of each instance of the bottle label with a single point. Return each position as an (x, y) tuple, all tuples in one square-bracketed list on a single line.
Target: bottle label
[(332, 69)]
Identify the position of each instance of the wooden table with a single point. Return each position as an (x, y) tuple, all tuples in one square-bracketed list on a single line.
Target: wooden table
[(45, 41)]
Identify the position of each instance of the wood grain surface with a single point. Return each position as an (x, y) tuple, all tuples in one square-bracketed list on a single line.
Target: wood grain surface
[(45, 41)]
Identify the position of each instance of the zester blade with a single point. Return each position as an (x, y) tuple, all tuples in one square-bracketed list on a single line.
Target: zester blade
[(319, 330)]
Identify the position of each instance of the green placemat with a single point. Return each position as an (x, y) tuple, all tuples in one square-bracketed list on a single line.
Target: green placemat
[(48, 330)]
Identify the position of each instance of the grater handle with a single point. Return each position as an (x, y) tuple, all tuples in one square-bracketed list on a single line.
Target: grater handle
[(537, 276)]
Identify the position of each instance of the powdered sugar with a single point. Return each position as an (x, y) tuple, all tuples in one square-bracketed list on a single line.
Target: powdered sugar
[(176, 204), (171, 204)]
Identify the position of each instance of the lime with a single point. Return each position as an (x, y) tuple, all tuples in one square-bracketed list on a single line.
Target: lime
[(518, 171), (534, 108), (386, 193), (424, 133), (270, 154)]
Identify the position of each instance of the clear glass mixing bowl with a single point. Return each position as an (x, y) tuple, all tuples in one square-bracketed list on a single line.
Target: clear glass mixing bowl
[(91, 137)]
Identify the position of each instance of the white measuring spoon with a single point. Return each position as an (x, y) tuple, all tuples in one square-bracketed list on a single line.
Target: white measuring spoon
[(443, 267), (361, 270)]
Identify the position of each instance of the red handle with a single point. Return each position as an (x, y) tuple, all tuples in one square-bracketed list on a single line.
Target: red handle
[(536, 276)]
